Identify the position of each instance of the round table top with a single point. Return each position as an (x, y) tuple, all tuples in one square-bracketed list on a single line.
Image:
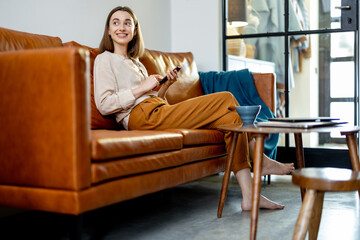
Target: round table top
[(254, 128)]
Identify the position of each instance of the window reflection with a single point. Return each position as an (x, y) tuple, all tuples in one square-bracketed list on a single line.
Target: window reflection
[(342, 45)]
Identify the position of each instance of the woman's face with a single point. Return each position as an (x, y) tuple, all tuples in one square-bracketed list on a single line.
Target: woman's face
[(121, 28)]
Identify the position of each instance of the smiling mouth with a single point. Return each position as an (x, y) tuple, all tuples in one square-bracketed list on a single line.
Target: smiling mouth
[(121, 34)]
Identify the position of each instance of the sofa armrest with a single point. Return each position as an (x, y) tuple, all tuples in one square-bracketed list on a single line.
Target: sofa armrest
[(265, 85), (45, 118)]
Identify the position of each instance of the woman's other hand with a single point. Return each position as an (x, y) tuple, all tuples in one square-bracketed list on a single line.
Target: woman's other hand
[(151, 82)]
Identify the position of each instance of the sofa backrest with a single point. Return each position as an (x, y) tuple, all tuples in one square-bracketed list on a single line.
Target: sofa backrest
[(156, 62), (11, 40), (188, 84)]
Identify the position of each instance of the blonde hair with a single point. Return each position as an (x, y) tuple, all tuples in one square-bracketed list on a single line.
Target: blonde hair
[(136, 45)]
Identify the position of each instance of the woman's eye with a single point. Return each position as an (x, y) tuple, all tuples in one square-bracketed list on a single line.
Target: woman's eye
[(128, 24)]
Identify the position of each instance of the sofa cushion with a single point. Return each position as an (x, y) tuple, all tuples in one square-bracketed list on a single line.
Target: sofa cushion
[(110, 144), (101, 171), (200, 136), (188, 84), (11, 40)]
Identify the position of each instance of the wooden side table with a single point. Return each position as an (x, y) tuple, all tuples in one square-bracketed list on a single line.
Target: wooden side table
[(260, 134)]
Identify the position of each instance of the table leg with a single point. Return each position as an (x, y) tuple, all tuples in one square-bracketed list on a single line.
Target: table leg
[(354, 156), (300, 159), (257, 167), (226, 178)]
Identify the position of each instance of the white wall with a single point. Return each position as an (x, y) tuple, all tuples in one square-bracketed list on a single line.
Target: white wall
[(176, 25), (196, 27), (83, 21)]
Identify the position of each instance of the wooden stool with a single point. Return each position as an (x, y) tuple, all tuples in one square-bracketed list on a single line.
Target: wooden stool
[(317, 181)]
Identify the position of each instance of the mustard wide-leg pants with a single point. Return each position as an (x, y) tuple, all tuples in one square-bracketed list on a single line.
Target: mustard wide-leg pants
[(207, 111)]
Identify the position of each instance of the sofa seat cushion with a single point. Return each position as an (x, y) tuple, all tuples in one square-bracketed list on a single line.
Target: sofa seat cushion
[(117, 168), (200, 136), (111, 144)]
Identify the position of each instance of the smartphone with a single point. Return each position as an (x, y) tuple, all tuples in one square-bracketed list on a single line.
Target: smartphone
[(162, 81)]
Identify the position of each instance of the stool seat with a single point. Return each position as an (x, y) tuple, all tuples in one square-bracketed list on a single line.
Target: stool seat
[(317, 181), (327, 179)]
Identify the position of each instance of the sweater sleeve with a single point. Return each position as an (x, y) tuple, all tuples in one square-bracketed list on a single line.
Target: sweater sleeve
[(108, 99)]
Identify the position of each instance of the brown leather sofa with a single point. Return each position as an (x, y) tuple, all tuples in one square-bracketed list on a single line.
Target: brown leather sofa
[(58, 154)]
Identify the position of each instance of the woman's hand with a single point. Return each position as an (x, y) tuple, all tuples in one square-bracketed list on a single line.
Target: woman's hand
[(150, 83), (172, 77)]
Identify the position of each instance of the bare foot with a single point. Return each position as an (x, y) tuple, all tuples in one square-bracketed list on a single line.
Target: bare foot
[(244, 179), (264, 203), (273, 167)]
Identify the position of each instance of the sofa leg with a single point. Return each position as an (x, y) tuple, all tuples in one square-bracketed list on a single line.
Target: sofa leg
[(75, 227)]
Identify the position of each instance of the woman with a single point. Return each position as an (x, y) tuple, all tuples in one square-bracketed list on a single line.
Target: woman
[(123, 87)]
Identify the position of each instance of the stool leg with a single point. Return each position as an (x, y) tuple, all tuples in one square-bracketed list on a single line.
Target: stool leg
[(354, 156), (316, 216), (303, 220)]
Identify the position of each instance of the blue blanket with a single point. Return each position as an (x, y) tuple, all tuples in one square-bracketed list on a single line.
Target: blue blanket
[(241, 84)]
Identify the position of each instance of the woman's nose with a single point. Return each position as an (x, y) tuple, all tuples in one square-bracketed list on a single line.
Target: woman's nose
[(121, 27)]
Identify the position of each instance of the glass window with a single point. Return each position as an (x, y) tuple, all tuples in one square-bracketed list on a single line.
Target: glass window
[(262, 17), (324, 83), (261, 54), (342, 45), (341, 79), (301, 13), (344, 110), (321, 65)]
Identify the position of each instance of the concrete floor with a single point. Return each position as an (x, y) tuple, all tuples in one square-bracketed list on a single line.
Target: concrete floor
[(189, 212)]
